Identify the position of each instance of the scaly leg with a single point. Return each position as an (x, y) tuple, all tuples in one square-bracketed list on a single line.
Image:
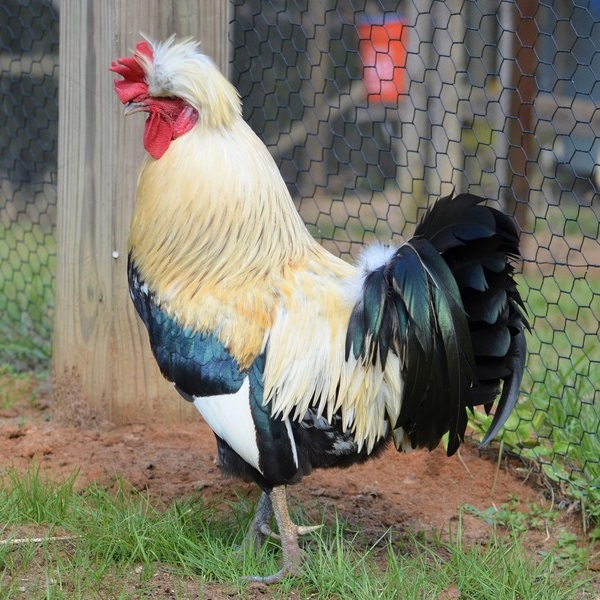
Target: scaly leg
[(260, 528), (288, 533)]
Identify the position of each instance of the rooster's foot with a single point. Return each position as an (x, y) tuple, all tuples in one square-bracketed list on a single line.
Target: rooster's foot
[(276, 502), (260, 528)]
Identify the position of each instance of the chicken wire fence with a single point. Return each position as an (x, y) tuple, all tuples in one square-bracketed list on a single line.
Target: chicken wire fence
[(28, 152), (372, 109)]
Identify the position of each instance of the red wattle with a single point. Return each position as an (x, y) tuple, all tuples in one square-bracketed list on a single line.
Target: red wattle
[(169, 118), (157, 135)]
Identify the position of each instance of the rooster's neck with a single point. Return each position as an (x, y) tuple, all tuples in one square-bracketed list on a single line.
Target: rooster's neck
[(214, 224)]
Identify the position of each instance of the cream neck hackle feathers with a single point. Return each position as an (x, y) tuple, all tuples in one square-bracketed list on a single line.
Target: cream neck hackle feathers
[(215, 231)]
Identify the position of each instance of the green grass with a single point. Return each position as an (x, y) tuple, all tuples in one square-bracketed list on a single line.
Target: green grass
[(93, 543)]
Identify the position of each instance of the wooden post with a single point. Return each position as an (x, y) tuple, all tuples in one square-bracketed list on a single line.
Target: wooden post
[(102, 362), (521, 124)]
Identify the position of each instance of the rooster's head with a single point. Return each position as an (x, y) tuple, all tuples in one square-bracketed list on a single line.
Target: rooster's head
[(178, 86)]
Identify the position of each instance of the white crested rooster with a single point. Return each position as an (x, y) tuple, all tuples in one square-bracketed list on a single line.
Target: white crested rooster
[(295, 358)]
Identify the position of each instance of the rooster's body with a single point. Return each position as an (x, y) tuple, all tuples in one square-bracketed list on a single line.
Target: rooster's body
[(295, 358)]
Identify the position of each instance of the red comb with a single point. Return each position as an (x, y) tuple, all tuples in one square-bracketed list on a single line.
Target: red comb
[(133, 86)]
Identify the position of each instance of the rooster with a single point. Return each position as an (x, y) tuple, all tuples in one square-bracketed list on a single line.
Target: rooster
[(295, 358)]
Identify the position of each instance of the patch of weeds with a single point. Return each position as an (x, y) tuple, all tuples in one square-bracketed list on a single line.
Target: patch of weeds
[(511, 515), (568, 551), (17, 387)]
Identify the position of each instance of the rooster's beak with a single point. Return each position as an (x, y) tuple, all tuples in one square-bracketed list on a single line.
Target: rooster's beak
[(134, 107)]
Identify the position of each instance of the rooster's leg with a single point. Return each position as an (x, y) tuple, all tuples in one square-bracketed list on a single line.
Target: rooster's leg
[(260, 528), (288, 533)]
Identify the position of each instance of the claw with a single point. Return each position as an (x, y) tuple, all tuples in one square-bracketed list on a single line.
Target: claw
[(300, 530), (276, 577), (306, 529), (268, 532)]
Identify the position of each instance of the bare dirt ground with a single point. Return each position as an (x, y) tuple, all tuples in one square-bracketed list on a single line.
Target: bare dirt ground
[(415, 492)]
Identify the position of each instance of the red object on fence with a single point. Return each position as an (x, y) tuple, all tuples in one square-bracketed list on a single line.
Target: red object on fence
[(382, 49)]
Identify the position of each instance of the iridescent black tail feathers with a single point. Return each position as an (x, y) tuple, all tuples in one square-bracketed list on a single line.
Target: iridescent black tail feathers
[(448, 305)]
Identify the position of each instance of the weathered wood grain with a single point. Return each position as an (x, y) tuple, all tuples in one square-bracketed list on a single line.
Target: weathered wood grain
[(101, 356)]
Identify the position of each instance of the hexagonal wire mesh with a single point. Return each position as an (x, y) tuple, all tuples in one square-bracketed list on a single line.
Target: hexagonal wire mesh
[(28, 154), (492, 96)]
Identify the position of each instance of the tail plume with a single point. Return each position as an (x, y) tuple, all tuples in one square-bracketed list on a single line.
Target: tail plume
[(447, 304)]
